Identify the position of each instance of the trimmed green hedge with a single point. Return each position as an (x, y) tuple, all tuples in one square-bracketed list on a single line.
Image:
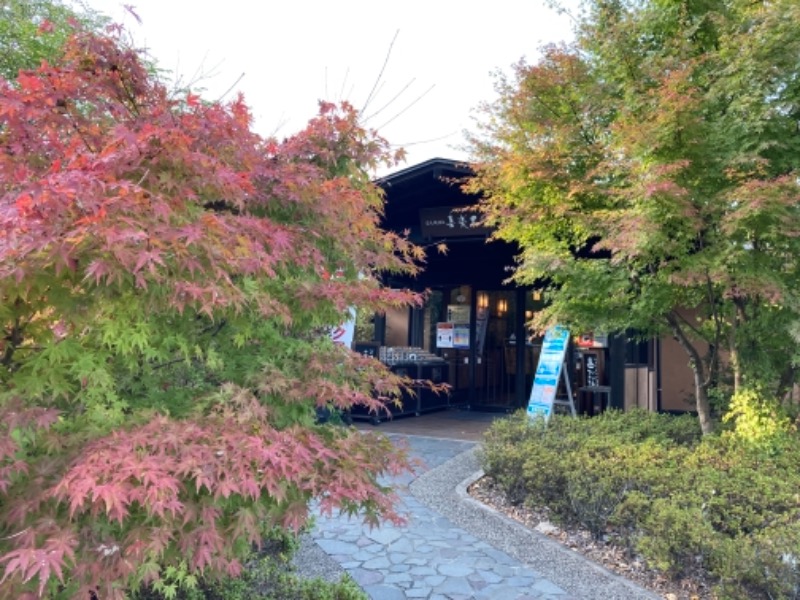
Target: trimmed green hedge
[(679, 500)]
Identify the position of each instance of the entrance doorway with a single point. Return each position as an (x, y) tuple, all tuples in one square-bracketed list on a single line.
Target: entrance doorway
[(483, 336)]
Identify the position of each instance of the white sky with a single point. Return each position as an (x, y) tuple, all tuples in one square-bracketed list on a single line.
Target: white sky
[(295, 52)]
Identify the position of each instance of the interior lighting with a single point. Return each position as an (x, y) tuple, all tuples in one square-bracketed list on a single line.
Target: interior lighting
[(502, 306)]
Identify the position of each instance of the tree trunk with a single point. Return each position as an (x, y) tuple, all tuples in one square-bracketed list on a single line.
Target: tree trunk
[(785, 385), (701, 395), (700, 384), (736, 367), (12, 341), (739, 316)]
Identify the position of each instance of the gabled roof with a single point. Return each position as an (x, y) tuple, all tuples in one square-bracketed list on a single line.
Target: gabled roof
[(434, 167), (435, 184)]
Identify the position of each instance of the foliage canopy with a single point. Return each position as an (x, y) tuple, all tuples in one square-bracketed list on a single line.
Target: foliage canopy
[(649, 173), (165, 298), (35, 30)]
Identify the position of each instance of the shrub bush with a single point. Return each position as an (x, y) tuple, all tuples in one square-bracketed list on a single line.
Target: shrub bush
[(673, 536), (719, 504), (571, 465), (605, 488), (760, 420), (504, 453)]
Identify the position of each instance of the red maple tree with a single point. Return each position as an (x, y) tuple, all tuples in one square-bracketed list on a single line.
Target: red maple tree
[(163, 315)]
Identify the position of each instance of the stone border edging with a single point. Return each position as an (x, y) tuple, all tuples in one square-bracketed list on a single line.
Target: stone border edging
[(444, 489)]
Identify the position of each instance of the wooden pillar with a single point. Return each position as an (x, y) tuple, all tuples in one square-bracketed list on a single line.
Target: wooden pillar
[(616, 370), (522, 345)]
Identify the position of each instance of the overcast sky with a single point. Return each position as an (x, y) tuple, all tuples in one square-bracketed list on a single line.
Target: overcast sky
[(292, 53)]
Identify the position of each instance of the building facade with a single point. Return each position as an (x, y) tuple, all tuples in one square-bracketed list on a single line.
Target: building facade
[(474, 320)]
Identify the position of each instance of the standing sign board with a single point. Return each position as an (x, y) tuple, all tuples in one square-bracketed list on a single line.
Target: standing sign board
[(548, 372), (344, 333)]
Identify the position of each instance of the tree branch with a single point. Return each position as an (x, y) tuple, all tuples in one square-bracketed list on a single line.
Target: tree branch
[(14, 339)]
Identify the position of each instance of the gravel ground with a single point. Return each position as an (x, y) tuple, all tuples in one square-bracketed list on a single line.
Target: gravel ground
[(311, 561)]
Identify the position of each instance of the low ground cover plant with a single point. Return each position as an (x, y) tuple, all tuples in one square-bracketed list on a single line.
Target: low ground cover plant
[(683, 502), (269, 575)]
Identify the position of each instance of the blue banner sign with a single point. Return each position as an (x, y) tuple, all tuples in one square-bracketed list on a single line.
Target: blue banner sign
[(548, 372)]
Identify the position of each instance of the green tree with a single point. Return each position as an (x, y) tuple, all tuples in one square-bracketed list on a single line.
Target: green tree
[(164, 303), (35, 30), (649, 171)]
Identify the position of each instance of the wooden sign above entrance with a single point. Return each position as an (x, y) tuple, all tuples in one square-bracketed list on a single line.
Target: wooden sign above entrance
[(451, 221)]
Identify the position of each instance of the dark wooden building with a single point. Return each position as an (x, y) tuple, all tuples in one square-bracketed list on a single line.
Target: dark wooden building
[(474, 320)]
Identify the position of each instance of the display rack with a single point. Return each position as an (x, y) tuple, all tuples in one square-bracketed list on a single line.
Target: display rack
[(421, 398)]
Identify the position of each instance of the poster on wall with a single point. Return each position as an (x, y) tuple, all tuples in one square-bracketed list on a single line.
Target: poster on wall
[(461, 335), (458, 313), (444, 335), (548, 372)]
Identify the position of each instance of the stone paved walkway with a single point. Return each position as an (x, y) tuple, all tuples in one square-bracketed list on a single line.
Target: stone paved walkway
[(431, 557)]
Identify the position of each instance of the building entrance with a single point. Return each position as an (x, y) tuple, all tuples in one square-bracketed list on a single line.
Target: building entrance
[(483, 337)]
